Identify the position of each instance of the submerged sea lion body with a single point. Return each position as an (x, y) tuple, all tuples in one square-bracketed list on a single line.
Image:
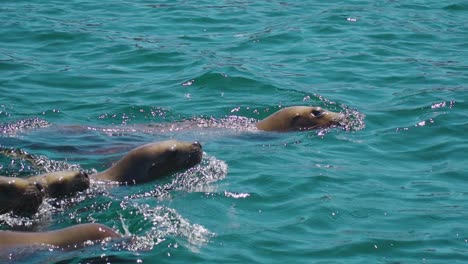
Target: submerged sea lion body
[(299, 118), (73, 236), (152, 161), (19, 196), (62, 183)]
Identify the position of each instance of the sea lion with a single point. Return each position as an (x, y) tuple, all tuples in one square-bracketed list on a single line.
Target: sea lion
[(299, 118), (62, 183), (19, 196), (152, 161), (70, 237)]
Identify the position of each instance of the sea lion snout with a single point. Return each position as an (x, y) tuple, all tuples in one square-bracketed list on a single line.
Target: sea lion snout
[(197, 149), (339, 119)]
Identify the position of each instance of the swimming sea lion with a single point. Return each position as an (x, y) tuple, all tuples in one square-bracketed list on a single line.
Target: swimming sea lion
[(19, 196), (152, 161), (299, 118), (62, 183), (70, 237)]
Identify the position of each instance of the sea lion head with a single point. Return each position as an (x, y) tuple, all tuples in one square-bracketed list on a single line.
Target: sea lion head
[(300, 118), (172, 156), (19, 196), (154, 160), (63, 183)]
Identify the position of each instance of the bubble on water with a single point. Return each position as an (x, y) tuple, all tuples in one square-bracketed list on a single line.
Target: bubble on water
[(188, 83), (236, 195)]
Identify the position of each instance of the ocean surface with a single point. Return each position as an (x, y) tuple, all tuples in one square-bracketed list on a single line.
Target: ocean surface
[(83, 82)]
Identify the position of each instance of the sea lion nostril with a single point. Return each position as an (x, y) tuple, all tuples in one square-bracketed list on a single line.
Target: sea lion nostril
[(197, 144), (39, 186), (84, 174)]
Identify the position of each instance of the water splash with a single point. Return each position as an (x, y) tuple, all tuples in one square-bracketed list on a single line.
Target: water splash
[(39, 163), (165, 222), (353, 119), (236, 195), (196, 179), (435, 110), (230, 122), (29, 223), (23, 124), (12, 220)]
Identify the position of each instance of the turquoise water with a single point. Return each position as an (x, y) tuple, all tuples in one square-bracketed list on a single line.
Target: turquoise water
[(393, 191)]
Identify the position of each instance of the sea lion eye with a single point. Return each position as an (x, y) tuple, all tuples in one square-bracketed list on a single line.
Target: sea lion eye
[(317, 112)]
